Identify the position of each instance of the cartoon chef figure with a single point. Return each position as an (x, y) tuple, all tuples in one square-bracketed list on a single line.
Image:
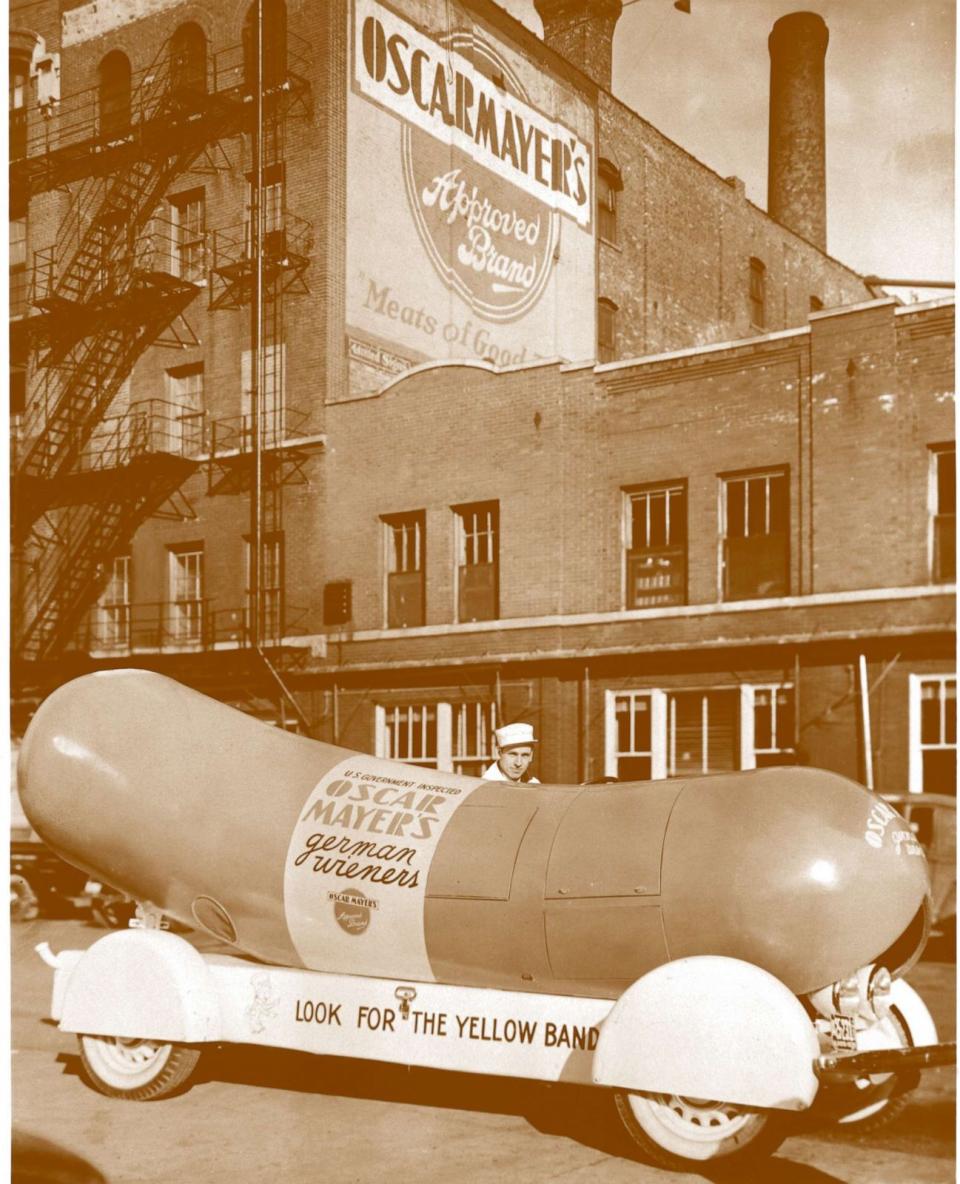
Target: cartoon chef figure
[(514, 753)]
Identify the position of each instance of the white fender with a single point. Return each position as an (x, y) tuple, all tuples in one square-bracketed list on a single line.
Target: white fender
[(142, 983), (710, 1027), (905, 999)]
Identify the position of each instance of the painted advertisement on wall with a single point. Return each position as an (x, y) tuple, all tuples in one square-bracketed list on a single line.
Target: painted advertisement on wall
[(469, 198)]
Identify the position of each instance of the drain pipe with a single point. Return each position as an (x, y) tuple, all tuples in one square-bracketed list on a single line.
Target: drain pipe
[(865, 718)]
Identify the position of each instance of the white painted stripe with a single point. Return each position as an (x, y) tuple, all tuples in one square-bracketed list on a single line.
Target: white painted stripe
[(470, 1029)]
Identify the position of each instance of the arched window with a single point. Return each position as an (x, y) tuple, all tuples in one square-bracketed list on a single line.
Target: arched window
[(609, 184), (274, 43), (114, 95), (18, 82), (758, 294), (188, 59)]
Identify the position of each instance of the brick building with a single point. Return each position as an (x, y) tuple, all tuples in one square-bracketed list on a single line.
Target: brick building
[(481, 400)]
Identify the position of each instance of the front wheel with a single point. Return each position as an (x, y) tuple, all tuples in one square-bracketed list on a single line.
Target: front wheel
[(138, 1070), (682, 1133)]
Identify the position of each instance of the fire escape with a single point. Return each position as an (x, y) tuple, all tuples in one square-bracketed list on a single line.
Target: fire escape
[(256, 267), (107, 290)]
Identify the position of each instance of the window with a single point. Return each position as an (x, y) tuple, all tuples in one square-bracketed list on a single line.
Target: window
[(758, 294), (933, 733), (17, 107), (767, 726), (656, 545), (816, 304), (186, 594), (271, 210), (188, 59), (702, 732), (183, 419), (630, 731), (609, 184), (271, 588), (943, 513), (114, 95), (606, 330), (272, 396), (18, 267), (18, 386), (274, 53), (113, 609), (453, 737), (408, 733), (473, 728), (188, 215), (653, 734), (755, 552), (404, 537), (478, 582)]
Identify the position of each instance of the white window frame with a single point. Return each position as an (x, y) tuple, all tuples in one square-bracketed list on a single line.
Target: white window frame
[(658, 731), (725, 480), (491, 535), (915, 748), (178, 205), (184, 390), (271, 564), (748, 749), (451, 720), (382, 746), (631, 496), (484, 721), (412, 523), (933, 502), (113, 607), (273, 398), (178, 636)]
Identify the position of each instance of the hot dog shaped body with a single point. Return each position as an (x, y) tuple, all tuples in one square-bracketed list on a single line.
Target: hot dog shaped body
[(305, 854)]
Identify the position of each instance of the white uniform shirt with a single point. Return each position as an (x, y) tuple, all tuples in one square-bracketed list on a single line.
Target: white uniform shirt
[(495, 773)]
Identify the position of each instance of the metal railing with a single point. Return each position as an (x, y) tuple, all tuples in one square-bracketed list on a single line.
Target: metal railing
[(148, 426), (289, 235), (186, 626), (76, 118), (155, 249), (279, 424)]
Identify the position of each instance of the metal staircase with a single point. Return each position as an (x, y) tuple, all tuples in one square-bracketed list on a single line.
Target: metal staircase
[(101, 295)]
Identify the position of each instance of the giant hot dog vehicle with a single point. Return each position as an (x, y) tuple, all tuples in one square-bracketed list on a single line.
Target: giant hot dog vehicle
[(719, 952)]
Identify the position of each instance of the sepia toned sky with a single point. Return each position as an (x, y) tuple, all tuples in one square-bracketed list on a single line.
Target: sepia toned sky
[(703, 80)]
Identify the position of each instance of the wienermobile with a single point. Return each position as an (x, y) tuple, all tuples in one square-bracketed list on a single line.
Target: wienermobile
[(718, 952)]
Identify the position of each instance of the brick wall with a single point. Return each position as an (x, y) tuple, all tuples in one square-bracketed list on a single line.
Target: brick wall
[(557, 448), (680, 273)]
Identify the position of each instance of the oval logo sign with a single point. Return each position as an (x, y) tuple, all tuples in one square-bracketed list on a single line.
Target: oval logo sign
[(352, 911), (488, 239)]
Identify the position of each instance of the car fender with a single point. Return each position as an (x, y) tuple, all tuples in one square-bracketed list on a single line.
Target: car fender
[(710, 1027), (905, 999), (142, 983)]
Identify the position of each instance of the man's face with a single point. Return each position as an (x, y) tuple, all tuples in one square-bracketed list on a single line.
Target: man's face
[(515, 761)]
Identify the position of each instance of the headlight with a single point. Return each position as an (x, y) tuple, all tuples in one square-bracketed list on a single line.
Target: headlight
[(846, 996), (879, 987)]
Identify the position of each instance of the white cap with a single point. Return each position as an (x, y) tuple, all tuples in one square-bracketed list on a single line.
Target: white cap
[(512, 735)]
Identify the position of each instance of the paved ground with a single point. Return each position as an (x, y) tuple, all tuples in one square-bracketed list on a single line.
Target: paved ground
[(276, 1116)]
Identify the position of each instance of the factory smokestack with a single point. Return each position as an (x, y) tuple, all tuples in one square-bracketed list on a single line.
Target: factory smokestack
[(796, 169), (582, 32)]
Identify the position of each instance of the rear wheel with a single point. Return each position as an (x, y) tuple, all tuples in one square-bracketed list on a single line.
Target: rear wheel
[(138, 1070), (683, 1133)]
